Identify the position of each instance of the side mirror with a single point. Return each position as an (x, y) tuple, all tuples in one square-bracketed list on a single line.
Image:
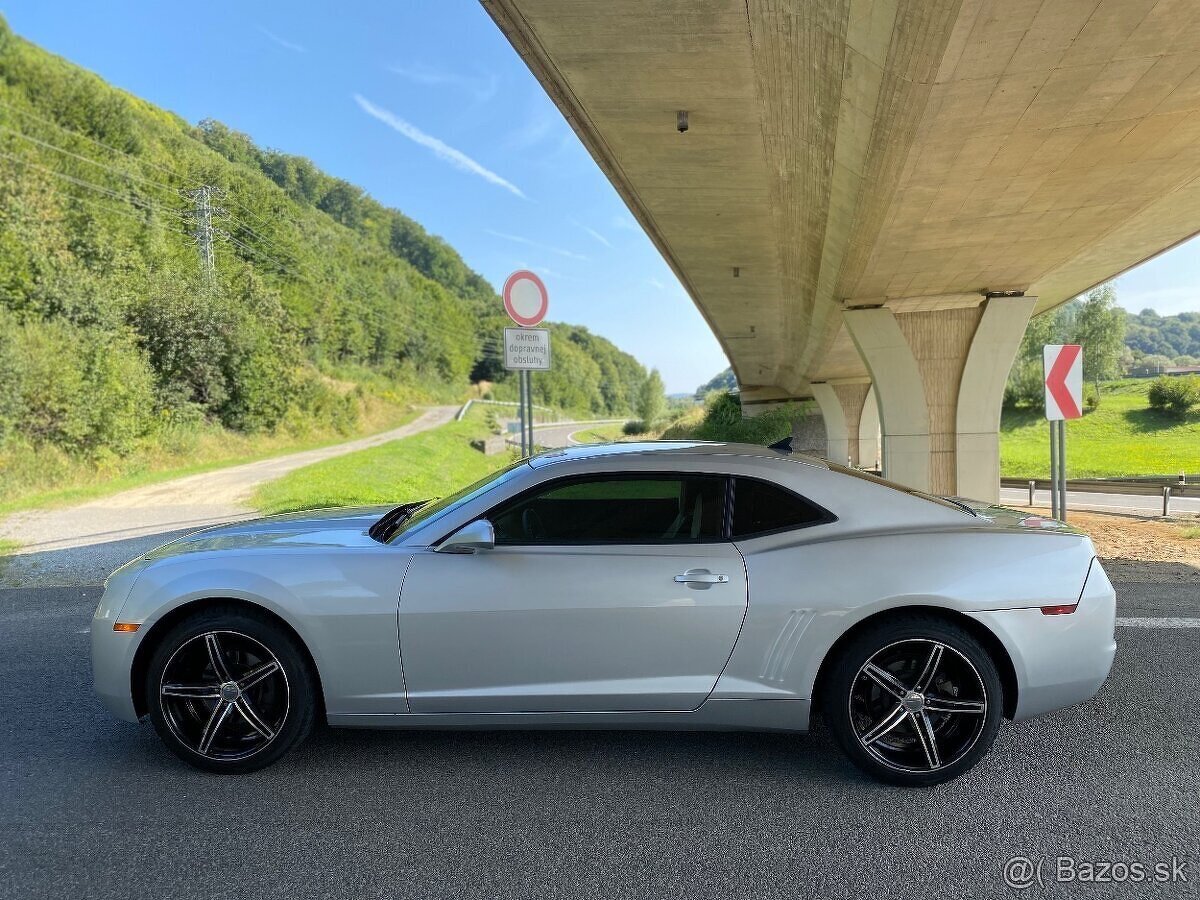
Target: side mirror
[(477, 535)]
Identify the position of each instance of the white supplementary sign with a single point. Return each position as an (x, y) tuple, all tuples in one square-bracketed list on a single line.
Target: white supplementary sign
[(525, 298), (526, 348), (1063, 369)]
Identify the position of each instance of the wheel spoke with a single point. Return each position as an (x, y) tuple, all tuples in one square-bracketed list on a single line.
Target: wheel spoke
[(256, 722), (215, 657), (886, 724), (885, 680), (219, 714), (949, 705), (924, 729), (253, 677), (931, 665), (194, 691)]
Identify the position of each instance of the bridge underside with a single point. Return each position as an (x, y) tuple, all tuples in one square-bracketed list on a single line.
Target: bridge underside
[(847, 156)]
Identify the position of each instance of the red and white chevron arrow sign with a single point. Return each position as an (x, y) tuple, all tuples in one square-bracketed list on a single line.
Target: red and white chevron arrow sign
[(1063, 365)]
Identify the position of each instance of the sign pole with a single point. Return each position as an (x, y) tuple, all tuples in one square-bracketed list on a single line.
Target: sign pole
[(527, 347), (1053, 471), (529, 408), (1062, 371), (521, 415), (1062, 469)]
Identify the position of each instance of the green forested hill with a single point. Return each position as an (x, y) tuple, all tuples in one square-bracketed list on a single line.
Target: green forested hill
[(319, 297)]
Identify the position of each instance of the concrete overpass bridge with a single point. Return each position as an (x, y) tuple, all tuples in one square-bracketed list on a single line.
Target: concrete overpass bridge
[(875, 195)]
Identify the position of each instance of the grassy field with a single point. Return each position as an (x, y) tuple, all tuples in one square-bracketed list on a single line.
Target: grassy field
[(1123, 437), (430, 464)]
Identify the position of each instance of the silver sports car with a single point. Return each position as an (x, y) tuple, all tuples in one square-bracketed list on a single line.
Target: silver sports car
[(672, 585)]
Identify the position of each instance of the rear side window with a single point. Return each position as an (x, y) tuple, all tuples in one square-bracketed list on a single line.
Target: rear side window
[(761, 508)]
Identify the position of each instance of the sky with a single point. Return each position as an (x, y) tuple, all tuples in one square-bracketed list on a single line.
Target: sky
[(425, 105)]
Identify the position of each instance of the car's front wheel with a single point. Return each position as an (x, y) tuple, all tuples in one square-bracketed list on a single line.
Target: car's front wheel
[(914, 701), (230, 691)]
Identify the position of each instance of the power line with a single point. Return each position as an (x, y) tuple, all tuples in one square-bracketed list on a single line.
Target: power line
[(117, 195), (92, 162), (60, 127)]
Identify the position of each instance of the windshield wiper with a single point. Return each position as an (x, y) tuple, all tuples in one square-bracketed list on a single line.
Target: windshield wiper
[(387, 526)]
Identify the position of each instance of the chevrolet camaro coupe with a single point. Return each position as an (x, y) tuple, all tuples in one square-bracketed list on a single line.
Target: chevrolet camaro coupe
[(667, 585)]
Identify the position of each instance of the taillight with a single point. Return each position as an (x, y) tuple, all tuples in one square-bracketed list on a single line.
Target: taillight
[(1063, 609)]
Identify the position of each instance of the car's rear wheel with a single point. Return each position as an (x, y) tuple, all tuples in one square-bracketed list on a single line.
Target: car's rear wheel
[(915, 700), (230, 691)]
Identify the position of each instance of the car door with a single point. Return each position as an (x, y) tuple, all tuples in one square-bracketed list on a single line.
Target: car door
[(609, 592)]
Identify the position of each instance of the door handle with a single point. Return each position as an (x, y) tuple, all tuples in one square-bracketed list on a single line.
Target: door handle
[(700, 576)]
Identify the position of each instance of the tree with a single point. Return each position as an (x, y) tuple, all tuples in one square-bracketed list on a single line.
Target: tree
[(652, 400), (1100, 330)]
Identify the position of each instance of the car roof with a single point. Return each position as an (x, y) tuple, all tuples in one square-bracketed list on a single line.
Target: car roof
[(667, 450)]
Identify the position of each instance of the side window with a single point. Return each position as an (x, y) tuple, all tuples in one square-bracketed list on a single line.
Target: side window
[(760, 508), (672, 509)]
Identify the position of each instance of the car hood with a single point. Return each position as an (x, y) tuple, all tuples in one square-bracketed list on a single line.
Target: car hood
[(323, 528)]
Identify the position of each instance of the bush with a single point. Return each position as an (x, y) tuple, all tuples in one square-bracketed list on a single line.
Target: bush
[(723, 422), (1175, 395), (81, 390), (634, 427), (1026, 384)]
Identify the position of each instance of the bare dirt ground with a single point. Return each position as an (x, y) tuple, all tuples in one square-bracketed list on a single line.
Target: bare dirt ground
[(1142, 550)]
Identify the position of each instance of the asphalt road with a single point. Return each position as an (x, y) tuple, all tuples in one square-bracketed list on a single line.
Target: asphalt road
[(1135, 504), (97, 808)]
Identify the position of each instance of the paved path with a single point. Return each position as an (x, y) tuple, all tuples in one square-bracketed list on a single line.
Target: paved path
[(82, 544), (97, 808), (1132, 504)]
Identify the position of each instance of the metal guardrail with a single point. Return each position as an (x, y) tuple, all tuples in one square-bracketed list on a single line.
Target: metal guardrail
[(1146, 487), (462, 412), (1142, 487)]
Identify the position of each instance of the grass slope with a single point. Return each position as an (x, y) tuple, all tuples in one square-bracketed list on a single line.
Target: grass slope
[(1123, 437), (430, 464)]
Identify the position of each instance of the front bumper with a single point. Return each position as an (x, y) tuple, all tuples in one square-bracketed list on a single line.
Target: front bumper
[(113, 651), (1062, 660)]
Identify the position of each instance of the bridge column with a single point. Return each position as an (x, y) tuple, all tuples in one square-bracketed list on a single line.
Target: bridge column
[(868, 432), (939, 376), (842, 402)]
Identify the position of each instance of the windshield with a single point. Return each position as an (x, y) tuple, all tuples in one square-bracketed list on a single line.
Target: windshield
[(431, 509), (913, 492)]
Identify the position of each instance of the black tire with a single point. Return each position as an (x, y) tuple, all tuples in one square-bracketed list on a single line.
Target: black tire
[(212, 725), (875, 705)]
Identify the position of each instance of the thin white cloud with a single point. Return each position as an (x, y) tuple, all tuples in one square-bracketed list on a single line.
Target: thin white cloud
[(536, 129), (283, 42), (441, 150), (517, 239), (593, 232), (656, 284), (482, 88), (625, 223)]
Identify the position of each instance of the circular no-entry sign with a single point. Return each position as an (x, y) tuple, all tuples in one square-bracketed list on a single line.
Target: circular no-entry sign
[(525, 298)]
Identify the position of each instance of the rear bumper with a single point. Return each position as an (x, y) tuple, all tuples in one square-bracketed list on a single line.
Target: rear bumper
[(1063, 660)]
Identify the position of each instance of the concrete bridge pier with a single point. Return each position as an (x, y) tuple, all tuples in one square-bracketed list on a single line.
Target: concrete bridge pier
[(939, 373), (842, 402)]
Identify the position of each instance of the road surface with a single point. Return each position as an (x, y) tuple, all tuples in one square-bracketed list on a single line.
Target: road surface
[(98, 808), (81, 544), (1132, 504)]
